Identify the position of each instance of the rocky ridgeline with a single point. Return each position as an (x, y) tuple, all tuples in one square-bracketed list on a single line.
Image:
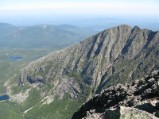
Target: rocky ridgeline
[(96, 62), (136, 100)]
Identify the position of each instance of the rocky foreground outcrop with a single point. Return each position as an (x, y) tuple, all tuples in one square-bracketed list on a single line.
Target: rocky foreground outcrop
[(136, 100)]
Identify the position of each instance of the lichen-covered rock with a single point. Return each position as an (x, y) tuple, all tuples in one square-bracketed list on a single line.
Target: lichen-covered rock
[(121, 113), (133, 113)]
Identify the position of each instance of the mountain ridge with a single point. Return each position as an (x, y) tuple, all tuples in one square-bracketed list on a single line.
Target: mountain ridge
[(95, 56), (41, 36), (120, 54)]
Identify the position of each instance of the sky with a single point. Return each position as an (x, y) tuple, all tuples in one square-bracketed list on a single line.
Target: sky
[(21, 12)]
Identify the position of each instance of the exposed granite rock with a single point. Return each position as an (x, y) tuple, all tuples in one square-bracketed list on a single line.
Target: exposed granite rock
[(128, 113), (122, 113), (141, 94)]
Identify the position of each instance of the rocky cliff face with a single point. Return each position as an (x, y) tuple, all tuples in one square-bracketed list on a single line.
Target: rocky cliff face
[(119, 54), (136, 100)]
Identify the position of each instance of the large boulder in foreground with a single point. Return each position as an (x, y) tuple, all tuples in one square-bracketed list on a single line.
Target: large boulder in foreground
[(122, 113)]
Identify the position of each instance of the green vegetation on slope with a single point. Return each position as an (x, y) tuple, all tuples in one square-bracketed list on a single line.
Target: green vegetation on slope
[(58, 109), (9, 110)]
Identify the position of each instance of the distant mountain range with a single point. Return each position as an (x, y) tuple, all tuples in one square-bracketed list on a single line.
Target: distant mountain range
[(41, 36), (71, 76)]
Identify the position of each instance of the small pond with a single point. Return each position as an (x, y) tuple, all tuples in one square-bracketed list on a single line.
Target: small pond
[(15, 58), (4, 97)]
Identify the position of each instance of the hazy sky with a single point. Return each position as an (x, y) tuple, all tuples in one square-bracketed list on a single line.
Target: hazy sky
[(12, 10), (100, 7)]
